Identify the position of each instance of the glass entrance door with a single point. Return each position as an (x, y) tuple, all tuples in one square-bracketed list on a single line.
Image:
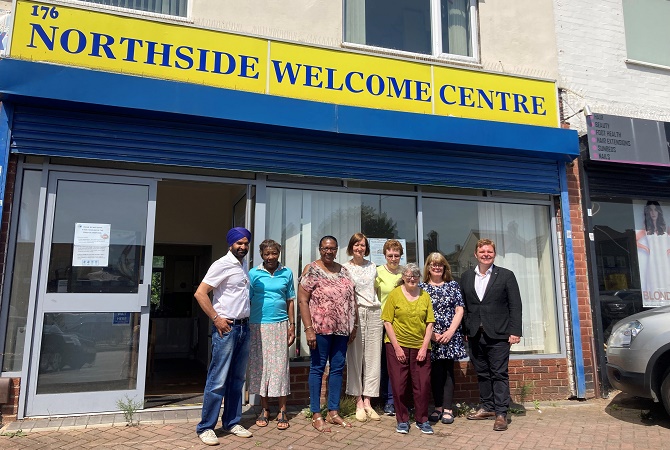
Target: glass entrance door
[(91, 327)]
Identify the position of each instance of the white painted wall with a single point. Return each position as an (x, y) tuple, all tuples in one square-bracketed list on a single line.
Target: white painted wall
[(312, 21), (517, 36), (592, 65)]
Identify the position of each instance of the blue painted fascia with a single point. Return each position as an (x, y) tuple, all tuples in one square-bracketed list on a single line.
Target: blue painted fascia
[(34, 80), (5, 127)]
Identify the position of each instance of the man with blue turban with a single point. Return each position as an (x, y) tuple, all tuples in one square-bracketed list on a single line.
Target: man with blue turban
[(229, 311)]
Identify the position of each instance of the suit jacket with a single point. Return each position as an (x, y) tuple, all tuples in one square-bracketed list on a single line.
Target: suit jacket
[(499, 312)]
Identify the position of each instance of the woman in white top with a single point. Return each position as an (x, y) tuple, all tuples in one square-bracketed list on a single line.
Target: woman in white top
[(364, 353)]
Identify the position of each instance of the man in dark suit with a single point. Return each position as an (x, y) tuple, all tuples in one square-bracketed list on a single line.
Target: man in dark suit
[(493, 324)]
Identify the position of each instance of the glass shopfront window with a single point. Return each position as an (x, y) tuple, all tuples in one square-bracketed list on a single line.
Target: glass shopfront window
[(522, 232), (632, 249), (523, 245), (88, 352), (19, 298), (299, 218)]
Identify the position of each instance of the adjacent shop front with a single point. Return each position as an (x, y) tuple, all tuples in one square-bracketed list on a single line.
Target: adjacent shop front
[(626, 172), (133, 155)]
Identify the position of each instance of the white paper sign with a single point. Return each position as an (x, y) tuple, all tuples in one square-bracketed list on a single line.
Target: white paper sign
[(377, 251), (96, 234), (91, 256), (91, 244)]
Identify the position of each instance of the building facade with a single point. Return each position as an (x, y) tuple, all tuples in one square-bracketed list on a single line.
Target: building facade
[(614, 82), (134, 139)]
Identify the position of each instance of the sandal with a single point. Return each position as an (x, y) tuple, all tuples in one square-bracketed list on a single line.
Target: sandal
[(335, 419), (435, 416), (447, 417), (282, 421), (319, 425), (263, 418)]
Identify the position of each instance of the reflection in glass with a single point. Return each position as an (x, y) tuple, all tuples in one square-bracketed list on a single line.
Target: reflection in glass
[(523, 244), (22, 271), (299, 218), (618, 266), (122, 208), (88, 352)]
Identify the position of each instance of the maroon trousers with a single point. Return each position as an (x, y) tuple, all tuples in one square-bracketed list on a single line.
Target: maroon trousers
[(402, 374)]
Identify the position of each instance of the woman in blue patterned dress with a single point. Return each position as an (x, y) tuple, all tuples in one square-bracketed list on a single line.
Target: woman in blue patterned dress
[(448, 343)]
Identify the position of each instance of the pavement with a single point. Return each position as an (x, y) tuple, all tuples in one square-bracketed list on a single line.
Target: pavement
[(619, 422)]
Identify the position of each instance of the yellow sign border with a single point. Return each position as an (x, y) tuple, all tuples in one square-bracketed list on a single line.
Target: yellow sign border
[(106, 41)]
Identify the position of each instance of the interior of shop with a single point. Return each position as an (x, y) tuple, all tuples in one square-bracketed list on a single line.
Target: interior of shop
[(191, 221)]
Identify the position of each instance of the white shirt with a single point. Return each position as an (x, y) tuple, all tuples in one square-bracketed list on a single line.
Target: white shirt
[(230, 280), (481, 281), (364, 280)]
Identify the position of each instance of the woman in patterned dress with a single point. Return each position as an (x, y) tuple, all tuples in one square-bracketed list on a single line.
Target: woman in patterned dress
[(364, 353), (329, 315), (272, 328), (448, 343)]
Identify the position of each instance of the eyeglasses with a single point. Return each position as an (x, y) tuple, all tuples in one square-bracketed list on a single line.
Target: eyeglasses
[(437, 266), (328, 249), (393, 256), (411, 277)]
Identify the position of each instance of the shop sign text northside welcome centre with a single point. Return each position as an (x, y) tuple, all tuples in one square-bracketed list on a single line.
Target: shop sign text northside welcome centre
[(115, 43)]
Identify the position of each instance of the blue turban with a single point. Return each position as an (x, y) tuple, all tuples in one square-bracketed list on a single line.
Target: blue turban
[(237, 233)]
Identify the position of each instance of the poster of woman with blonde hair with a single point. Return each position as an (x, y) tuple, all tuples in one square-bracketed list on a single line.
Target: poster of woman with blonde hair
[(653, 251)]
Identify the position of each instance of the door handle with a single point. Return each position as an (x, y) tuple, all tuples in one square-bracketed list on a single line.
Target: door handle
[(144, 293)]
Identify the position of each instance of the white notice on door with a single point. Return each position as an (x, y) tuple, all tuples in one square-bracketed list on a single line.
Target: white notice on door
[(96, 234), (91, 244), (89, 255)]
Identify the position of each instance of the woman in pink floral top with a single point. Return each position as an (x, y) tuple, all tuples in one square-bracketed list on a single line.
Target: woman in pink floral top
[(330, 319)]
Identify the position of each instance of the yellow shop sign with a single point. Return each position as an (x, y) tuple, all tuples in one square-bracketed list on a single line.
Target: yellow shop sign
[(114, 43)]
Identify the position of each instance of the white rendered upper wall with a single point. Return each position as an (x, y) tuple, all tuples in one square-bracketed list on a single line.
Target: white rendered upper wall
[(516, 37), (592, 65)]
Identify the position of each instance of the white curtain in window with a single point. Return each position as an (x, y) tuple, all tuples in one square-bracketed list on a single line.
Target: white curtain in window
[(459, 23), (298, 219), (523, 246), (354, 25), (169, 7)]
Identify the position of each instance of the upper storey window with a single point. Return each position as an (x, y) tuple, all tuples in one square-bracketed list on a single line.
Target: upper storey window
[(167, 7), (428, 27), (646, 25)]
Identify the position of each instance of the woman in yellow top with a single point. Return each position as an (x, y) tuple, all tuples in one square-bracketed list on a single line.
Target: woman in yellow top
[(387, 279), (408, 320)]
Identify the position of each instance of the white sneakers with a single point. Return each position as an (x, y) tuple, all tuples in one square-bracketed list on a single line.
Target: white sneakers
[(208, 437), (239, 431)]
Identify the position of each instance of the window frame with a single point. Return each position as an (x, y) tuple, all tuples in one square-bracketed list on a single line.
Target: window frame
[(139, 12), (436, 37)]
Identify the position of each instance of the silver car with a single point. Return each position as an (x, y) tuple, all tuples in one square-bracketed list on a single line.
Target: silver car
[(638, 355)]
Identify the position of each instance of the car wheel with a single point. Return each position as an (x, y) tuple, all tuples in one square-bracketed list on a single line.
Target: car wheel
[(665, 391)]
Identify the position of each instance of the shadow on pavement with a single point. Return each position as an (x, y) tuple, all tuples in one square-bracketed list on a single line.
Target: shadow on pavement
[(637, 410)]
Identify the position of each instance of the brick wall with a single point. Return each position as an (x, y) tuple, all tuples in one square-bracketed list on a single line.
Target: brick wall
[(9, 411), (581, 274), (592, 62), (546, 379)]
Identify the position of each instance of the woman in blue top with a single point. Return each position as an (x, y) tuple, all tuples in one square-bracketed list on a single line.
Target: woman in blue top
[(448, 342), (272, 327)]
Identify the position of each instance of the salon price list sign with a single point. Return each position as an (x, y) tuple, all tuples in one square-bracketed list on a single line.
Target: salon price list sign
[(627, 140)]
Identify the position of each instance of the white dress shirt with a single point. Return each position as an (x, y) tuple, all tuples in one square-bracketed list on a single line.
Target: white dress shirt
[(481, 281)]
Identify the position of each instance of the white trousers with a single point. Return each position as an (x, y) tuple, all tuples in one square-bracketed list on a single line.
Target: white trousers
[(364, 354)]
